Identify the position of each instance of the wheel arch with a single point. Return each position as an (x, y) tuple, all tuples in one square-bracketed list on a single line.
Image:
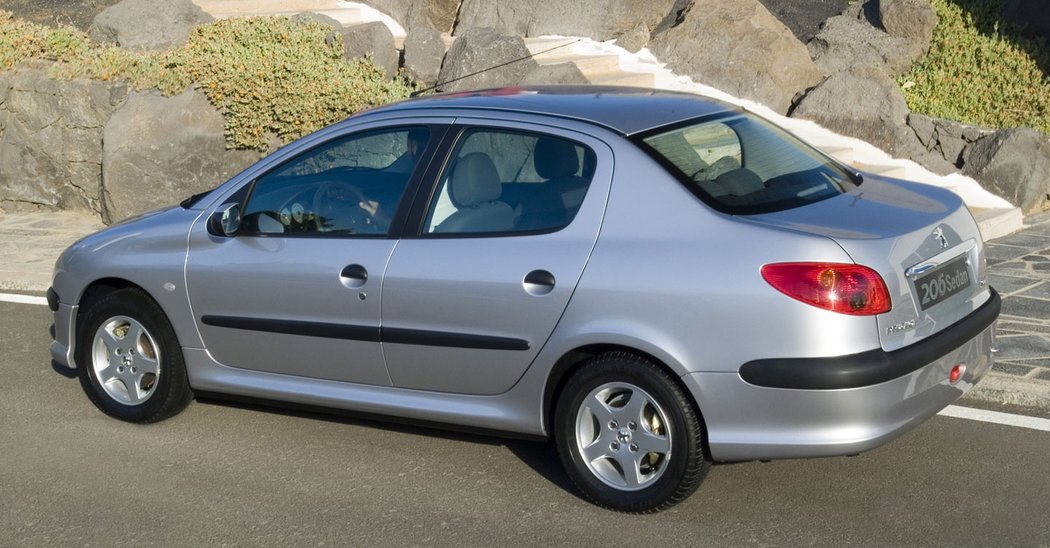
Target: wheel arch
[(575, 358)]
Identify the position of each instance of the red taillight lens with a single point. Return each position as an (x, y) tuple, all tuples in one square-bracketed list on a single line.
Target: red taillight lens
[(843, 288)]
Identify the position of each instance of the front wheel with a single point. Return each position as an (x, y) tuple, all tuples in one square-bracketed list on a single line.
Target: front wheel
[(130, 362), (628, 436)]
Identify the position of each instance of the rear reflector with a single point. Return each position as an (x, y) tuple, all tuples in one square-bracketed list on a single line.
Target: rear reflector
[(956, 373), (844, 288)]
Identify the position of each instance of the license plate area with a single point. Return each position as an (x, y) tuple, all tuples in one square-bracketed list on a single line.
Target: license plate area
[(941, 283)]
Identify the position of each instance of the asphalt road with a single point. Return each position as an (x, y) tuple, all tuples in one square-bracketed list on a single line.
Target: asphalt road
[(236, 475)]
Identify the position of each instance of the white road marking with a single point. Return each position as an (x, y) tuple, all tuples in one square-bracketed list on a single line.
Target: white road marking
[(22, 299), (1020, 421), (1008, 419)]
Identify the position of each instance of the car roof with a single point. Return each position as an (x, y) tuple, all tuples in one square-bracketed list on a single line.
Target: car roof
[(626, 110)]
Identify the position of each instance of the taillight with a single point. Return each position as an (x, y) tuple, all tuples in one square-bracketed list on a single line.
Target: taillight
[(843, 288)]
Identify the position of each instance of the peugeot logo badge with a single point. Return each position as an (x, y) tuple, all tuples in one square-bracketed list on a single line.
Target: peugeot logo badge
[(938, 235)]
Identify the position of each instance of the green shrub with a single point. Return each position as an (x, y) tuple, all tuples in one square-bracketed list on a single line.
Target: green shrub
[(980, 72), (265, 74)]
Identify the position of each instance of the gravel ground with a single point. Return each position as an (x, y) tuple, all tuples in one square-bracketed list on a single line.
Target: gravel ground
[(804, 17), (78, 13)]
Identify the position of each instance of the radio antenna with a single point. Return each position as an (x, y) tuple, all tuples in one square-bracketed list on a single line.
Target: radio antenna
[(511, 62)]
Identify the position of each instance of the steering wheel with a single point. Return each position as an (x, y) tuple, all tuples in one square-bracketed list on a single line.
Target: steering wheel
[(342, 207)]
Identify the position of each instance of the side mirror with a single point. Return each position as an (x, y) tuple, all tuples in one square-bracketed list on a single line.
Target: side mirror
[(226, 220)]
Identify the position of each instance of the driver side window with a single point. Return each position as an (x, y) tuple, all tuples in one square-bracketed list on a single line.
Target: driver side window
[(351, 185)]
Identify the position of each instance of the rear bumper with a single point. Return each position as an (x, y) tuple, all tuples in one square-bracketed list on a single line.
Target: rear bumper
[(872, 367), (748, 422)]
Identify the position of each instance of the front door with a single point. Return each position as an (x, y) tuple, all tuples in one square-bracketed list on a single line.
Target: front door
[(297, 290)]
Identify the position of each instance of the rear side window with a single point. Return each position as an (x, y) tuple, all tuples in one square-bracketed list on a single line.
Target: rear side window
[(504, 182), (741, 164)]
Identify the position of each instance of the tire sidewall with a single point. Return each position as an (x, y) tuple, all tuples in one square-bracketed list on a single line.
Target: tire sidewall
[(685, 437), (135, 305)]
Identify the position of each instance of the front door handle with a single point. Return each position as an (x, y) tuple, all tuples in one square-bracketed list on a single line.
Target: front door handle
[(353, 276), (538, 282)]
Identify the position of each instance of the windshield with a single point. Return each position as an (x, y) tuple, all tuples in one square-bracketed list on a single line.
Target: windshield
[(741, 164)]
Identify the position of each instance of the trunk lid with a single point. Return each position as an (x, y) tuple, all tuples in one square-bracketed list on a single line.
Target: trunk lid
[(920, 238)]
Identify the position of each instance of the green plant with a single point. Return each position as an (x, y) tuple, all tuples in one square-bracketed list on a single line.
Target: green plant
[(266, 74), (979, 71)]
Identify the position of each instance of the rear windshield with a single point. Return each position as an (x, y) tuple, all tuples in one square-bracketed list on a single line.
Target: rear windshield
[(741, 164)]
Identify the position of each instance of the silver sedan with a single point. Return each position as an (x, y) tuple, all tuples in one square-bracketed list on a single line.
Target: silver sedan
[(651, 280)]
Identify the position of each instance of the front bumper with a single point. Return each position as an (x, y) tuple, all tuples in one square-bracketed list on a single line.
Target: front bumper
[(62, 345), (748, 422)]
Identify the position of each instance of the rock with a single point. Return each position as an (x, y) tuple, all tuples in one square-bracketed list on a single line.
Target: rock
[(147, 24), (560, 73), (373, 40), (1029, 16), (321, 19), (804, 17), (481, 49), (424, 51), (864, 103), (634, 39), (439, 15), (911, 20), (158, 150), (1014, 164), (51, 141), (757, 56), (845, 41), (597, 19), (945, 137)]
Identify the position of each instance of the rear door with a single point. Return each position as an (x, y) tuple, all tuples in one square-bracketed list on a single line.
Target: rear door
[(505, 235)]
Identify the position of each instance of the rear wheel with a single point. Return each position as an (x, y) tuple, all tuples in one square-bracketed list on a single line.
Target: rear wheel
[(627, 435), (130, 362)]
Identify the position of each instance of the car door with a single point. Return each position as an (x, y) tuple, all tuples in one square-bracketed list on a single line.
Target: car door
[(505, 235), (296, 290)]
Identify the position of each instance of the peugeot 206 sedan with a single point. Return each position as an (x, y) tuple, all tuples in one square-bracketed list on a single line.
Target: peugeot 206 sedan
[(651, 280)]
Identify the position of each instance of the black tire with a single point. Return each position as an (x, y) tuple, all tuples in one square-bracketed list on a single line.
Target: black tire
[(662, 479), (151, 361)]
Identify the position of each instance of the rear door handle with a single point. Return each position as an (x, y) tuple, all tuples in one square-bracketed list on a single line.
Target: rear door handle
[(538, 282), (353, 276)]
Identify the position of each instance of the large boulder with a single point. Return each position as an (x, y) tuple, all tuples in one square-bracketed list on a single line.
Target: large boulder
[(862, 102), (158, 150), (1014, 164), (477, 51), (147, 24), (845, 41), (437, 14), (804, 17), (741, 48), (945, 137), (375, 41), (597, 19), (911, 20), (51, 141), (424, 51)]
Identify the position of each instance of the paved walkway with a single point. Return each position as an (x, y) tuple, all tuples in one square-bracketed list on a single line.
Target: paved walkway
[(1019, 270)]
